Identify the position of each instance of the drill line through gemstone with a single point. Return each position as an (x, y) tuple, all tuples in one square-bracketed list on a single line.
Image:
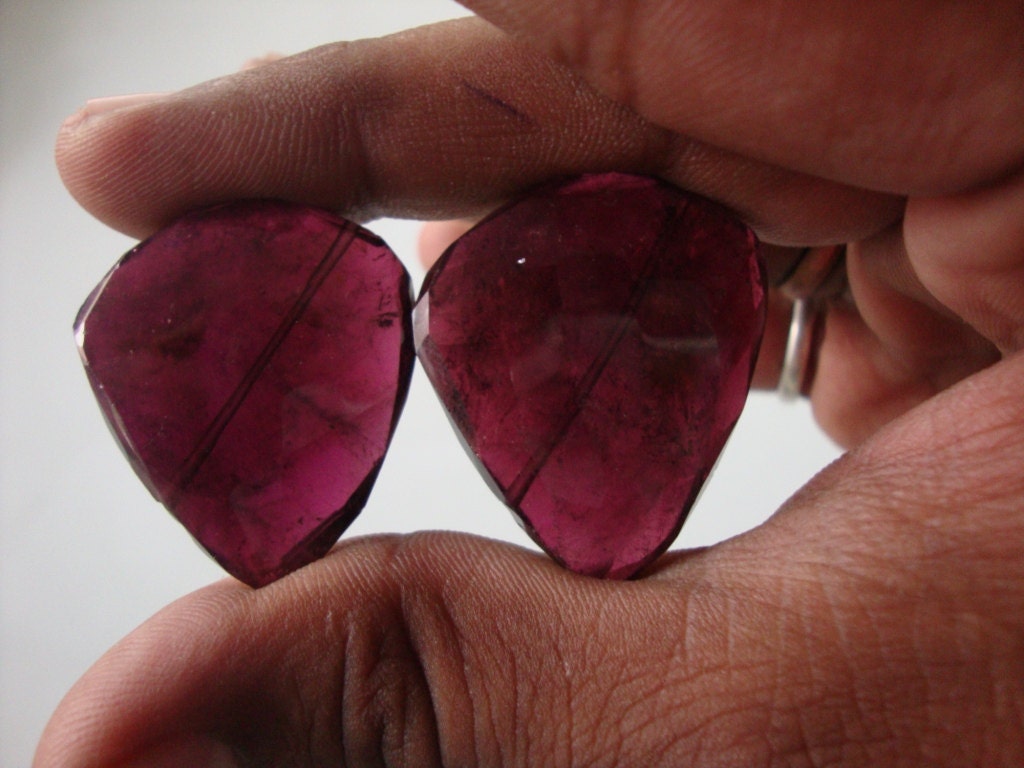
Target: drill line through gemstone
[(210, 436), (519, 487)]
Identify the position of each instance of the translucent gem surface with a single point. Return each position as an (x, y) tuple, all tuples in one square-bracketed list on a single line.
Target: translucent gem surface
[(252, 359), (593, 343)]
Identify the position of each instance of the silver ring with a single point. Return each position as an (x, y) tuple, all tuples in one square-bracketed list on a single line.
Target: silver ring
[(817, 275), (798, 351)]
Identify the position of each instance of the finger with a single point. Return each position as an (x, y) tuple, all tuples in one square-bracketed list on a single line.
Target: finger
[(440, 122), (883, 346), (969, 252), (890, 350), (908, 97), (432, 650), (836, 632)]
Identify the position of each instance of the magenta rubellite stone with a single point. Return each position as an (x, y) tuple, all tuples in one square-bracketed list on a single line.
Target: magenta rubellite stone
[(593, 344), (252, 359)]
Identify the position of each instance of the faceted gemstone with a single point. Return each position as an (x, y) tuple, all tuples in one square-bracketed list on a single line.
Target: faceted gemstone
[(593, 344), (252, 359)]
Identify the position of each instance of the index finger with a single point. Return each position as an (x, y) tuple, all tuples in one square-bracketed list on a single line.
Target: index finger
[(438, 122)]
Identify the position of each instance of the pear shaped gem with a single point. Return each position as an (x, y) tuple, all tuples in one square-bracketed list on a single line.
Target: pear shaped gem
[(252, 360), (593, 343)]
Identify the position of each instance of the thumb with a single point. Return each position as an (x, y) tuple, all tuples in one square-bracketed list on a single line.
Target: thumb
[(433, 649), (876, 620)]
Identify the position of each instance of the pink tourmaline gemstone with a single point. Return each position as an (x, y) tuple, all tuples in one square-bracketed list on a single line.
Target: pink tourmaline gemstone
[(593, 343), (253, 360)]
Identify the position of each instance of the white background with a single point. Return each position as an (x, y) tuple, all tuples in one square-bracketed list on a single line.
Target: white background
[(85, 553)]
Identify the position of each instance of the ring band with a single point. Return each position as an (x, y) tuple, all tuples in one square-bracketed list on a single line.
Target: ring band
[(816, 276), (798, 351)]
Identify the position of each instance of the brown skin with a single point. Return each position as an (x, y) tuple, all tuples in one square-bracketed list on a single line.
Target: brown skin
[(877, 619)]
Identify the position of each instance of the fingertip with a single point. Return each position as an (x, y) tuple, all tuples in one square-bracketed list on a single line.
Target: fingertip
[(94, 147)]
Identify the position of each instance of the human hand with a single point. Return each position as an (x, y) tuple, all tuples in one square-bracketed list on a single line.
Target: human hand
[(836, 633)]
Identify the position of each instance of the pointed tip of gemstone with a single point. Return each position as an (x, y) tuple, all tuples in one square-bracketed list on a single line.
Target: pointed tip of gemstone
[(593, 343), (252, 360)]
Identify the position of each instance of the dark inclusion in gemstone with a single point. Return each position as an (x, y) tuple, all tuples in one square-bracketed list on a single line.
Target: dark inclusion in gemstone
[(252, 360), (593, 344)]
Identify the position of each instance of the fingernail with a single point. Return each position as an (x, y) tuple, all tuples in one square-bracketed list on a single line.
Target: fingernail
[(259, 61), (192, 751), (108, 104)]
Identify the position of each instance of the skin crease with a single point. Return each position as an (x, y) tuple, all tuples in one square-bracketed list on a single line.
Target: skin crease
[(875, 620)]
